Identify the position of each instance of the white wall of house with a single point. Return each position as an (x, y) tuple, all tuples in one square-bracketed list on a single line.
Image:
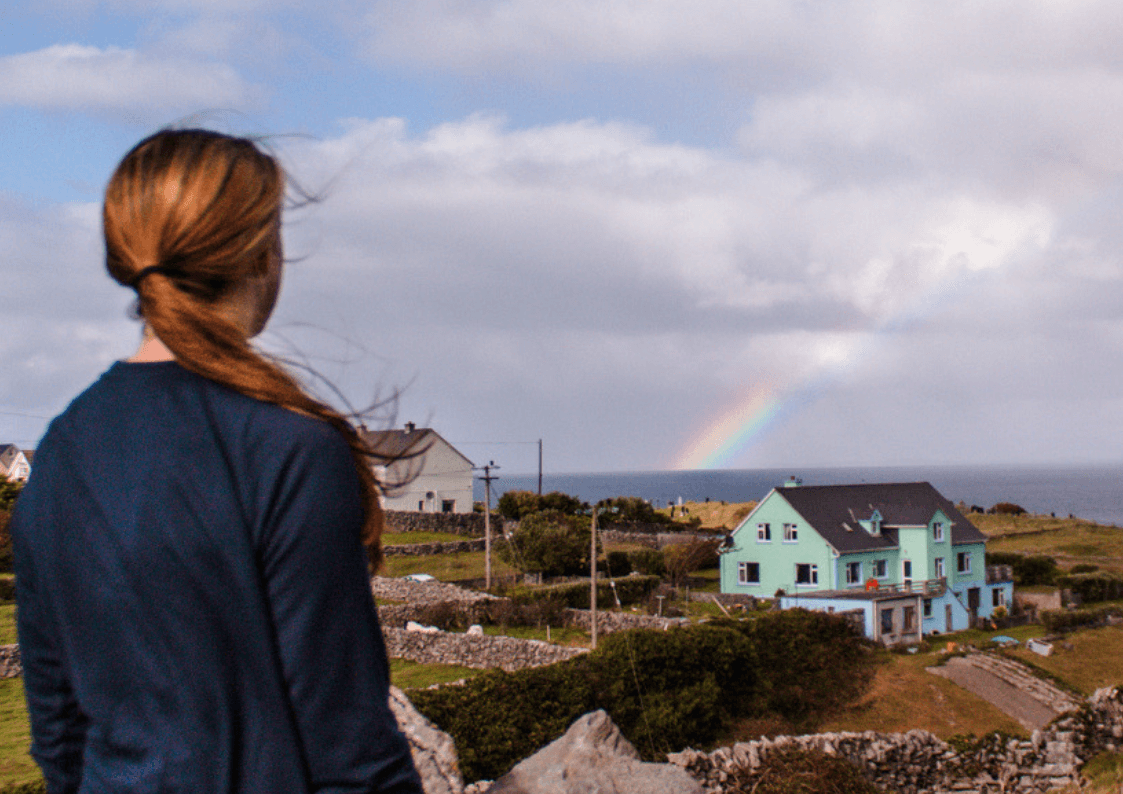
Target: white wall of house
[(441, 481)]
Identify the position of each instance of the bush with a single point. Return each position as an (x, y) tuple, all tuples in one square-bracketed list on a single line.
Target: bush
[(1084, 567), (683, 559), (648, 562), (5, 543), (664, 690), (9, 491), (562, 503), (631, 509), (1037, 569), (1093, 587), (618, 563), (1056, 620), (516, 505), (550, 542), (790, 770), (1007, 509)]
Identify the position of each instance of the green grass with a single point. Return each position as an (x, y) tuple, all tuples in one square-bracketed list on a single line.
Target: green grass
[(447, 567), (405, 538), (1091, 662), (1069, 541), (16, 765), (7, 623), (567, 635), (405, 674)]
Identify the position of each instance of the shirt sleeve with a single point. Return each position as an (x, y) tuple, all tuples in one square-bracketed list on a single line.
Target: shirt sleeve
[(58, 726), (329, 641)]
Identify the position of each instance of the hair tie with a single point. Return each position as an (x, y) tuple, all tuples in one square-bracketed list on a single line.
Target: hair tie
[(144, 272)]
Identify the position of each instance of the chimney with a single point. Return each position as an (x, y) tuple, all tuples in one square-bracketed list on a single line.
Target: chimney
[(410, 427)]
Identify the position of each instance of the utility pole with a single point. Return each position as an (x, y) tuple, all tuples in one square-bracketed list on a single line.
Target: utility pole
[(593, 580), (539, 467), (487, 478)]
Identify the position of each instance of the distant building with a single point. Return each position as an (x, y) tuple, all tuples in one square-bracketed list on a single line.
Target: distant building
[(15, 463), (426, 473), (899, 558)]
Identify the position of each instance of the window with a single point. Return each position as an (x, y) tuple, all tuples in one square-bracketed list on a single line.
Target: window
[(963, 562), (853, 573), (906, 570), (880, 569), (998, 597), (887, 621), (748, 573), (806, 574), (448, 505), (908, 619), (938, 568), (790, 533), (927, 607), (763, 533), (938, 532)]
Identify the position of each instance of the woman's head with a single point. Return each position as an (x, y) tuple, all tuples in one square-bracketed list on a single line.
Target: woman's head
[(193, 223), (194, 215)]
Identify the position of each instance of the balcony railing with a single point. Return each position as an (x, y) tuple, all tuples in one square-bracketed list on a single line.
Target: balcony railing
[(928, 587)]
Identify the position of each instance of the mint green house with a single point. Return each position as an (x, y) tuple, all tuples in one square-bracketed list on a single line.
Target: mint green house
[(899, 557)]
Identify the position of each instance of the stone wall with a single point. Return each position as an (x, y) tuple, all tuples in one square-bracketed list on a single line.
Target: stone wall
[(9, 661), (470, 524), (429, 549), (652, 537), (478, 651), (919, 763), (609, 622)]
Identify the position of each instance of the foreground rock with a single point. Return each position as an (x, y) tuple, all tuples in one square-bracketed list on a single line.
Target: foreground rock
[(593, 756), (434, 753)]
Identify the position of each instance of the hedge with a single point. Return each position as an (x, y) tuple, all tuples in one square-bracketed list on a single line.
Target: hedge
[(1065, 619), (665, 690), (1093, 587)]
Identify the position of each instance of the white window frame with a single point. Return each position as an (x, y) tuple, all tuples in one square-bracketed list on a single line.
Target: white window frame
[(963, 562), (906, 577), (880, 569), (999, 595), (853, 573), (938, 568), (743, 573), (938, 532), (812, 574), (764, 532), (791, 533)]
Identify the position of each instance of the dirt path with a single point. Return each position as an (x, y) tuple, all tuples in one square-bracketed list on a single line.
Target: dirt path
[(1030, 713)]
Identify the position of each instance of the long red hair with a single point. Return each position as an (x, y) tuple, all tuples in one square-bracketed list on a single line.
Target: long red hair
[(200, 212)]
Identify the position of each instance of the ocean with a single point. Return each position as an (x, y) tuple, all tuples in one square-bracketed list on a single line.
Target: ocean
[(1093, 492)]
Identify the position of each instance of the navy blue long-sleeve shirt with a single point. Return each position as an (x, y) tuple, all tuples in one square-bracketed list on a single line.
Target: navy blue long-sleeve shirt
[(194, 608)]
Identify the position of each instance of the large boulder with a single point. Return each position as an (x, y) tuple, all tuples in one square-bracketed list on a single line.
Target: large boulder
[(593, 757), (434, 753)]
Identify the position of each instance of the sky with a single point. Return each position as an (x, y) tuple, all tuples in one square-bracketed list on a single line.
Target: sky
[(652, 234)]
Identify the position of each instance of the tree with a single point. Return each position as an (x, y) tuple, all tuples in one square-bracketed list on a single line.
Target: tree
[(550, 542), (632, 509), (516, 505), (8, 493), (563, 503), (683, 559)]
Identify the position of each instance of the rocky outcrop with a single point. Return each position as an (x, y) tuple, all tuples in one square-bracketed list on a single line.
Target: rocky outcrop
[(478, 651), (592, 756), (919, 763), (433, 751)]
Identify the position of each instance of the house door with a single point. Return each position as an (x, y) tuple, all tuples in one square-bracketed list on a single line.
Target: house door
[(973, 603), (906, 573), (947, 617)]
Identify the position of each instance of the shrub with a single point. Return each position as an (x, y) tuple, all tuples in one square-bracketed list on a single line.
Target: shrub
[(1028, 570), (1007, 509), (790, 770), (562, 503), (1093, 587), (618, 563), (683, 559), (9, 491), (631, 509), (516, 505), (1056, 620), (1084, 567), (550, 542), (648, 562), (5, 543), (664, 690)]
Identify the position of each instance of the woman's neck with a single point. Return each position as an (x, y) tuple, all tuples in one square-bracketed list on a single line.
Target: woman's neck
[(151, 349)]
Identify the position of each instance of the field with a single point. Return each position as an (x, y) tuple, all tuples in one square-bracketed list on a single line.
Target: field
[(714, 515)]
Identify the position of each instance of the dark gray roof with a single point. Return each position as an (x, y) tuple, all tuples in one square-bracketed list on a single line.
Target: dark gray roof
[(393, 445), (830, 509)]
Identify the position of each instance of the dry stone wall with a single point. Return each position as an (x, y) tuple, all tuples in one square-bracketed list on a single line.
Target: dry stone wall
[(470, 524), (9, 661), (479, 651), (919, 763), (430, 549)]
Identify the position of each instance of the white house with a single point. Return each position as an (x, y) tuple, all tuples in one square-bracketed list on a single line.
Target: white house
[(14, 463), (423, 472)]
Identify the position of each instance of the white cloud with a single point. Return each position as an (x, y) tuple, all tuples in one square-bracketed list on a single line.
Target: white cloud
[(78, 77)]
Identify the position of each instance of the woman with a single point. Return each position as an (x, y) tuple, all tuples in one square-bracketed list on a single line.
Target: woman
[(194, 608)]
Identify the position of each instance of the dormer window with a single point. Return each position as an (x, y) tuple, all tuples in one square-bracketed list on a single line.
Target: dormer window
[(937, 532), (875, 523)]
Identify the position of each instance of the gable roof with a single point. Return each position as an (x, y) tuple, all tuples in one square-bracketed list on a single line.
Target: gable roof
[(413, 442), (831, 509)]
